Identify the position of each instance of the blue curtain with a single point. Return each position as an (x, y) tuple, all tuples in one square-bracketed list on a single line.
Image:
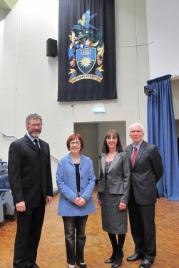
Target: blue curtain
[(162, 132)]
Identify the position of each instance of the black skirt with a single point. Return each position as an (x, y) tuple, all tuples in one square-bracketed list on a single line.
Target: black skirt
[(114, 221)]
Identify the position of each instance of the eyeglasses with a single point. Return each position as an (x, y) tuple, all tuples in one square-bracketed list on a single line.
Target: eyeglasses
[(75, 143), (137, 131)]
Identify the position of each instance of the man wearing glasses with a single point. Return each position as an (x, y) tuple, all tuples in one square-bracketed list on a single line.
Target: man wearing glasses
[(146, 170)]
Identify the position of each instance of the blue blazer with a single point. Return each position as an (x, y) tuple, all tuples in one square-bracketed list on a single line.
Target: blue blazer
[(66, 182)]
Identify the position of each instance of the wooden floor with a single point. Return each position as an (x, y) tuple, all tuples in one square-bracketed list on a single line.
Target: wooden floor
[(51, 252)]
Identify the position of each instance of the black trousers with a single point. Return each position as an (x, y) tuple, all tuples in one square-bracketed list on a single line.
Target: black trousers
[(75, 238), (29, 226), (142, 222)]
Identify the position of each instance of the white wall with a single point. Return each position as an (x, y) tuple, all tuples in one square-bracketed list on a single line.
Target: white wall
[(163, 37), (2, 16), (29, 81), (1, 45)]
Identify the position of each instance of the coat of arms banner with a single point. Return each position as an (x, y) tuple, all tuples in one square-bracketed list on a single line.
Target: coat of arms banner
[(87, 64)]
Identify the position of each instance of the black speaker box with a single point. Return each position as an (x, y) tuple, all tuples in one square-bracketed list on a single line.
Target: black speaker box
[(148, 92), (51, 50)]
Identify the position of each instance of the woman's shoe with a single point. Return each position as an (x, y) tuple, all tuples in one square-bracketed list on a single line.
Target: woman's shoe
[(116, 263), (82, 265), (111, 259)]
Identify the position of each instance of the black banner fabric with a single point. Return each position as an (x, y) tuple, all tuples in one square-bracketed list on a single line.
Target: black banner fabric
[(87, 65)]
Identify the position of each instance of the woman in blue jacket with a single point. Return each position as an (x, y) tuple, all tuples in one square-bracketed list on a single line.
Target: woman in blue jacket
[(75, 181)]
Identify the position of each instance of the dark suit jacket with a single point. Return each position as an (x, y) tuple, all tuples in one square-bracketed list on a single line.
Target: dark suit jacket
[(118, 176), (146, 172), (29, 171)]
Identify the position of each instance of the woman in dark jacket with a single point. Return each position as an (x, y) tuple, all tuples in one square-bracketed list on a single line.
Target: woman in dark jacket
[(113, 194)]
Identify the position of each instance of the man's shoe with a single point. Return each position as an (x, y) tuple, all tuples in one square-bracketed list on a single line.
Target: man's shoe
[(146, 263), (110, 260), (135, 257)]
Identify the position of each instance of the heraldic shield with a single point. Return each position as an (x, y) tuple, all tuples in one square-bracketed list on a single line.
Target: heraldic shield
[(86, 58)]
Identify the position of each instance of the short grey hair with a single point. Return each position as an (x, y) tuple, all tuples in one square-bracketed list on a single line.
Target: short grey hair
[(33, 116), (136, 124)]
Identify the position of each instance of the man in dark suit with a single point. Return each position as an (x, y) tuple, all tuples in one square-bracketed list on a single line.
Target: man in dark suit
[(146, 170), (31, 184)]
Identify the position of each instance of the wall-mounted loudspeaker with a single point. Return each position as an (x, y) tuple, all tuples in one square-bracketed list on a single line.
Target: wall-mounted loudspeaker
[(51, 50), (148, 91)]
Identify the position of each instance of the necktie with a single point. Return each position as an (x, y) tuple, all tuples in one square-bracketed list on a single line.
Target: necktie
[(36, 143), (134, 155)]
